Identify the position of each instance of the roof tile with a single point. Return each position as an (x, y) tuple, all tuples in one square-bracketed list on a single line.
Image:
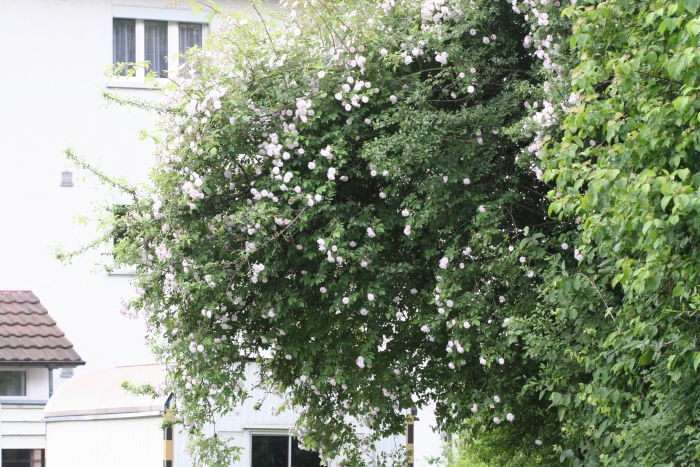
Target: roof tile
[(29, 334)]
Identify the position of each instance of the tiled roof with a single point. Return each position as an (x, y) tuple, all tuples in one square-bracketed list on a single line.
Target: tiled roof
[(28, 334)]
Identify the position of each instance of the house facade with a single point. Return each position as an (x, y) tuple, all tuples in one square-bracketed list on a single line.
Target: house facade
[(52, 80)]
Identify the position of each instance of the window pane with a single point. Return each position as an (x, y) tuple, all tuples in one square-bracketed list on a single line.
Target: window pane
[(119, 230), (301, 458), (190, 36), (123, 41), (270, 451), (13, 383), (17, 458), (156, 33)]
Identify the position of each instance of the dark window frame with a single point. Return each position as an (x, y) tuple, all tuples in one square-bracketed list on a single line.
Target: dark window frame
[(298, 457), (128, 35), (184, 40), (153, 52), (150, 40), (22, 382), (23, 458)]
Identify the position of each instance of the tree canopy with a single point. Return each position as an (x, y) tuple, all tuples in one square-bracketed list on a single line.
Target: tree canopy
[(484, 205)]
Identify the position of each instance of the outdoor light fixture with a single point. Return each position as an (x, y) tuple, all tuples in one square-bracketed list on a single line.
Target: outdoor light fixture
[(67, 178)]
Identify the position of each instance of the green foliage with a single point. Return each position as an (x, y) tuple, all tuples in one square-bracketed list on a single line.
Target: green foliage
[(503, 448), (353, 312), (627, 168)]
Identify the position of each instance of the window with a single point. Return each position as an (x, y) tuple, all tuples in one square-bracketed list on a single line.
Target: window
[(124, 41), (274, 451), (158, 41), (23, 458), (156, 49), (119, 230), (190, 35), (120, 209), (13, 383)]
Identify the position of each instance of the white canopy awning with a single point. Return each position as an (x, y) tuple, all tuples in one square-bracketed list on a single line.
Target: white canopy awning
[(98, 393)]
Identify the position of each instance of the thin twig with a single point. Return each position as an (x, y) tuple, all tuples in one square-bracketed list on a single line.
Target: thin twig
[(607, 308)]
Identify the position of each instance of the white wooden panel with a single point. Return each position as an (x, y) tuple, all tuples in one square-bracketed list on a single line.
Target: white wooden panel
[(392, 444), (133, 442), (237, 440), (21, 413), (22, 428), (249, 417), (180, 456), (22, 442)]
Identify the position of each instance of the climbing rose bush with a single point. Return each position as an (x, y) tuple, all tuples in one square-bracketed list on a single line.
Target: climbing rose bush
[(337, 193)]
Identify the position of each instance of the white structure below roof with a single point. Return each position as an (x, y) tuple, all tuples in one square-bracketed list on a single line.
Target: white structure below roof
[(133, 442), (98, 394), (92, 421)]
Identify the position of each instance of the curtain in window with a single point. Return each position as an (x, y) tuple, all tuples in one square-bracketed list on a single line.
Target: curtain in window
[(156, 34), (190, 35), (13, 383), (123, 41)]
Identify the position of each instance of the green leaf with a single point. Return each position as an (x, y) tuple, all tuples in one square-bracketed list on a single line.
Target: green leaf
[(681, 102), (556, 398), (693, 27), (665, 201), (678, 290), (645, 359), (692, 5)]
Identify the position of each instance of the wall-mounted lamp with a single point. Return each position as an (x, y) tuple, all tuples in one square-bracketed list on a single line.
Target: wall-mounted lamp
[(67, 178), (67, 372)]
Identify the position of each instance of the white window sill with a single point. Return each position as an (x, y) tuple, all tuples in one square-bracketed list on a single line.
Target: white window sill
[(21, 401), (133, 84), (123, 272)]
